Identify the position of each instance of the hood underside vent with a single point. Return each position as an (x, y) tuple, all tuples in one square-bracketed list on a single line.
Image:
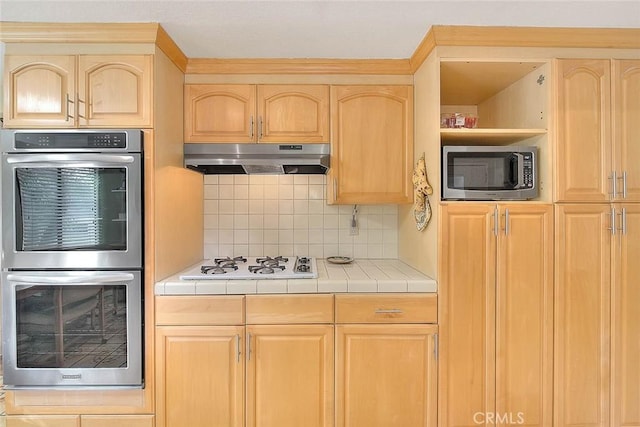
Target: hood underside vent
[(218, 159)]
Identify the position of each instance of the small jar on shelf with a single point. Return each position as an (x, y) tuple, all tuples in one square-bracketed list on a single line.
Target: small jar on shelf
[(458, 120)]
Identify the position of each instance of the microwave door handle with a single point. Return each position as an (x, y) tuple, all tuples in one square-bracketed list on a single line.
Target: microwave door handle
[(520, 160), (57, 160), (67, 280)]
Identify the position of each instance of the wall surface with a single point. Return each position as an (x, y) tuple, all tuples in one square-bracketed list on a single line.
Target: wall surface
[(419, 248), (270, 215)]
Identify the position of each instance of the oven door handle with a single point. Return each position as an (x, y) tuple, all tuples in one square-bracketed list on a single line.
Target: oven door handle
[(58, 160), (65, 280)]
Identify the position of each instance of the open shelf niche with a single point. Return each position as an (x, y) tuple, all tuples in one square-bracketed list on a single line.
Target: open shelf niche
[(509, 98)]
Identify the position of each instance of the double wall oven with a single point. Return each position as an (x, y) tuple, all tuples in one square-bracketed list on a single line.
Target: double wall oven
[(72, 258)]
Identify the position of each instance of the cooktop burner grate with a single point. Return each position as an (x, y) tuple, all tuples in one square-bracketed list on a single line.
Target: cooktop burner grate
[(266, 267)]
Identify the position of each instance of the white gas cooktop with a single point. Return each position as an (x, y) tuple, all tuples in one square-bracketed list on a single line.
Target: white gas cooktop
[(256, 268)]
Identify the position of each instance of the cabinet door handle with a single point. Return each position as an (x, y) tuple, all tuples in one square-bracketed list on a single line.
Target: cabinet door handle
[(623, 221), (260, 128), (435, 346), (251, 127), (613, 221), (80, 101), (238, 351), (248, 346), (496, 221), (69, 116), (389, 311), (506, 222), (614, 179), (623, 193)]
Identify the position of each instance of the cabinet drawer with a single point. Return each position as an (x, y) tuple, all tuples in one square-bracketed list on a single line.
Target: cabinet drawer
[(117, 421), (43, 420), (199, 310), (398, 308), (275, 309)]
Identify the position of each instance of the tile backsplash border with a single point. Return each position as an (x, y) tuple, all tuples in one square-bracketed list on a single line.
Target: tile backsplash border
[(257, 215)]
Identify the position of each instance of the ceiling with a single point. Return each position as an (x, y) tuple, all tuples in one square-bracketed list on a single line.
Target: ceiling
[(319, 29)]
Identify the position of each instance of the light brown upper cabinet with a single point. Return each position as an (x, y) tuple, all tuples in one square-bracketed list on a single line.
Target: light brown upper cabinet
[(256, 113), (496, 305), (372, 145), (598, 110), (69, 91)]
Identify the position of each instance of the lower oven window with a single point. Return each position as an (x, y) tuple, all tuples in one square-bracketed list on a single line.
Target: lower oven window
[(71, 326)]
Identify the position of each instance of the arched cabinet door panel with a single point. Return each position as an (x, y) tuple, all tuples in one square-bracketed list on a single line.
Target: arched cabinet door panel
[(68, 91), (40, 91), (219, 113), (372, 145), (114, 90), (293, 113)]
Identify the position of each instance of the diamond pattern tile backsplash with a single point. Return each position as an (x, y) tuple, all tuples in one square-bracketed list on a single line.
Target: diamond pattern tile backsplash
[(255, 215)]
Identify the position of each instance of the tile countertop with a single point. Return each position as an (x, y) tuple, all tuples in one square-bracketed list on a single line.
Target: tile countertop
[(364, 275)]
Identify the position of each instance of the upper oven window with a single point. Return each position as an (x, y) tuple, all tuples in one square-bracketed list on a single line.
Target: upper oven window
[(70, 208)]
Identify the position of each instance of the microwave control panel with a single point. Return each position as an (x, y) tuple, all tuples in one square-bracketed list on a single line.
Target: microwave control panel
[(527, 164)]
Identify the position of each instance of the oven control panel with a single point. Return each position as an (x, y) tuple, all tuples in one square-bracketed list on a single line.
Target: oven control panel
[(70, 140), (80, 140)]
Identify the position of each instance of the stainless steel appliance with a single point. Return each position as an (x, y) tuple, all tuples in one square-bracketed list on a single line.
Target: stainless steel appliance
[(489, 173), (72, 328), (257, 158), (226, 268), (72, 257), (72, 199)]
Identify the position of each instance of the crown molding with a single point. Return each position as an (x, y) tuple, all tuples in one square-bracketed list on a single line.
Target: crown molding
[(48, 32), (560, 37), (438, 35), (298, 66)]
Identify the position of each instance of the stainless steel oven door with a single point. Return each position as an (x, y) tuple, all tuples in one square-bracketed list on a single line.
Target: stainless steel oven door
[(72, 329), (72, 210)]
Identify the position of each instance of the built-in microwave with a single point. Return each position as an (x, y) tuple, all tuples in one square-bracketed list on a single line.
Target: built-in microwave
[(489, 173)]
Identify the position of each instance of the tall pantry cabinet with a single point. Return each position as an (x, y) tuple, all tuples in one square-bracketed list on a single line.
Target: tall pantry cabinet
[(496, 322), (597, 312)]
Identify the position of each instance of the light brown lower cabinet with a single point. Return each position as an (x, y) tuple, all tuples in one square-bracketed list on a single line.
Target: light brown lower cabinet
[(597, 358), (80, 421), (268, 360), (275, 371), (200, 376), (386, 375), (496, 308), (386, 360), (289, 376)]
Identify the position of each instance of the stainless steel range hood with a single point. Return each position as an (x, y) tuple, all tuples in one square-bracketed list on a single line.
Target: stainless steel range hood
[(257, 158)]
